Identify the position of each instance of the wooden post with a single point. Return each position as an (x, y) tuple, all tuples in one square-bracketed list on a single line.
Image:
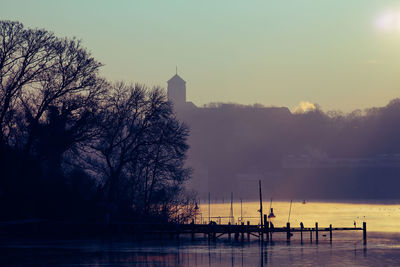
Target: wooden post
[(316, 233), (265, 220), (330, 233), (229, 230), (311, 235), (214, 233), (261, 212), (365, 233), (237, 232), (209, 231), (248, 231), (265, 224), (301, 233), (267, 230), (288, 231), (242, 231)]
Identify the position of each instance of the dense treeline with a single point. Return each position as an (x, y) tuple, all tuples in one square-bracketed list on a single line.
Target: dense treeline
[(73, 146), (232, 146)]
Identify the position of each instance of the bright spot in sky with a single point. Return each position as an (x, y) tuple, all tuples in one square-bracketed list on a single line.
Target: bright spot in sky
[(388, 21), (305, 107)]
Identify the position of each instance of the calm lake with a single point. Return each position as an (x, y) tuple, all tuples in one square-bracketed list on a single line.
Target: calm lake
[(347, 249)]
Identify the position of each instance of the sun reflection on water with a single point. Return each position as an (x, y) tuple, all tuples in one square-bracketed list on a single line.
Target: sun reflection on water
[(379, 217)]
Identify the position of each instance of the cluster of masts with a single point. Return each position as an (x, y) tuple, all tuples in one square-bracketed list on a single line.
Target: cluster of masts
[(271, 214)]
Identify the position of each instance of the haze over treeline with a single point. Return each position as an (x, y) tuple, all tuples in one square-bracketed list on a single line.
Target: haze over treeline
[(313, 154)]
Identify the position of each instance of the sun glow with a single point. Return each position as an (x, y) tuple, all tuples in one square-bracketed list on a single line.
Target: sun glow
[(388, 21)]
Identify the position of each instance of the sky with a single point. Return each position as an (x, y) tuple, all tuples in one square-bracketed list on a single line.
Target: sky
[(341, 54)]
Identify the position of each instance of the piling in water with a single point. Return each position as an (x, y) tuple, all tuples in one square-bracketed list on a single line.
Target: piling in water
[(365, 233), (248, 231), (301, 233)]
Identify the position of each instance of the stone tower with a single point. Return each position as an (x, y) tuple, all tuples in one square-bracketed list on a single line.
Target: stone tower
[(177, 90)]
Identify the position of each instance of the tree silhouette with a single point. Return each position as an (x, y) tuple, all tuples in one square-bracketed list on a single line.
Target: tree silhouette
[(140, 152), (70, 139), (39, 72)]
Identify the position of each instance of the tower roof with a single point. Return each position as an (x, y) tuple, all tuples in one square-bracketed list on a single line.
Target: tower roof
[(176, 78)]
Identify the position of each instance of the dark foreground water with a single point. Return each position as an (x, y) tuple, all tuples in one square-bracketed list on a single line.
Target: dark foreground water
[(383, 249)]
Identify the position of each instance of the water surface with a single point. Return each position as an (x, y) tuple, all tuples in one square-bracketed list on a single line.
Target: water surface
[(346, 249), (380, 217)]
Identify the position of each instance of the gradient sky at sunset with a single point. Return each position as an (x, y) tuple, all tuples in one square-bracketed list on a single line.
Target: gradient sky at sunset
[(341, 54)]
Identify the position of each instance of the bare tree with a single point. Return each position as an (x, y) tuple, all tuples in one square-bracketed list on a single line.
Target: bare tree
[(39, 72), (53, 104), (24, 56), (49, 93), (141, 151)]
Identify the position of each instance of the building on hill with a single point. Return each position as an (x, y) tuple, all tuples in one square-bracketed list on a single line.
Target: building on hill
[(212, 127), (177, 92)]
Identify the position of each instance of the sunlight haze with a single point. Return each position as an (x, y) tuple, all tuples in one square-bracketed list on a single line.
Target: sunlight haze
[(338, 54)]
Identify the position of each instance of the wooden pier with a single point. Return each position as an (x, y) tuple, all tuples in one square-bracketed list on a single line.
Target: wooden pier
[(238, 232), (264, 232)]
